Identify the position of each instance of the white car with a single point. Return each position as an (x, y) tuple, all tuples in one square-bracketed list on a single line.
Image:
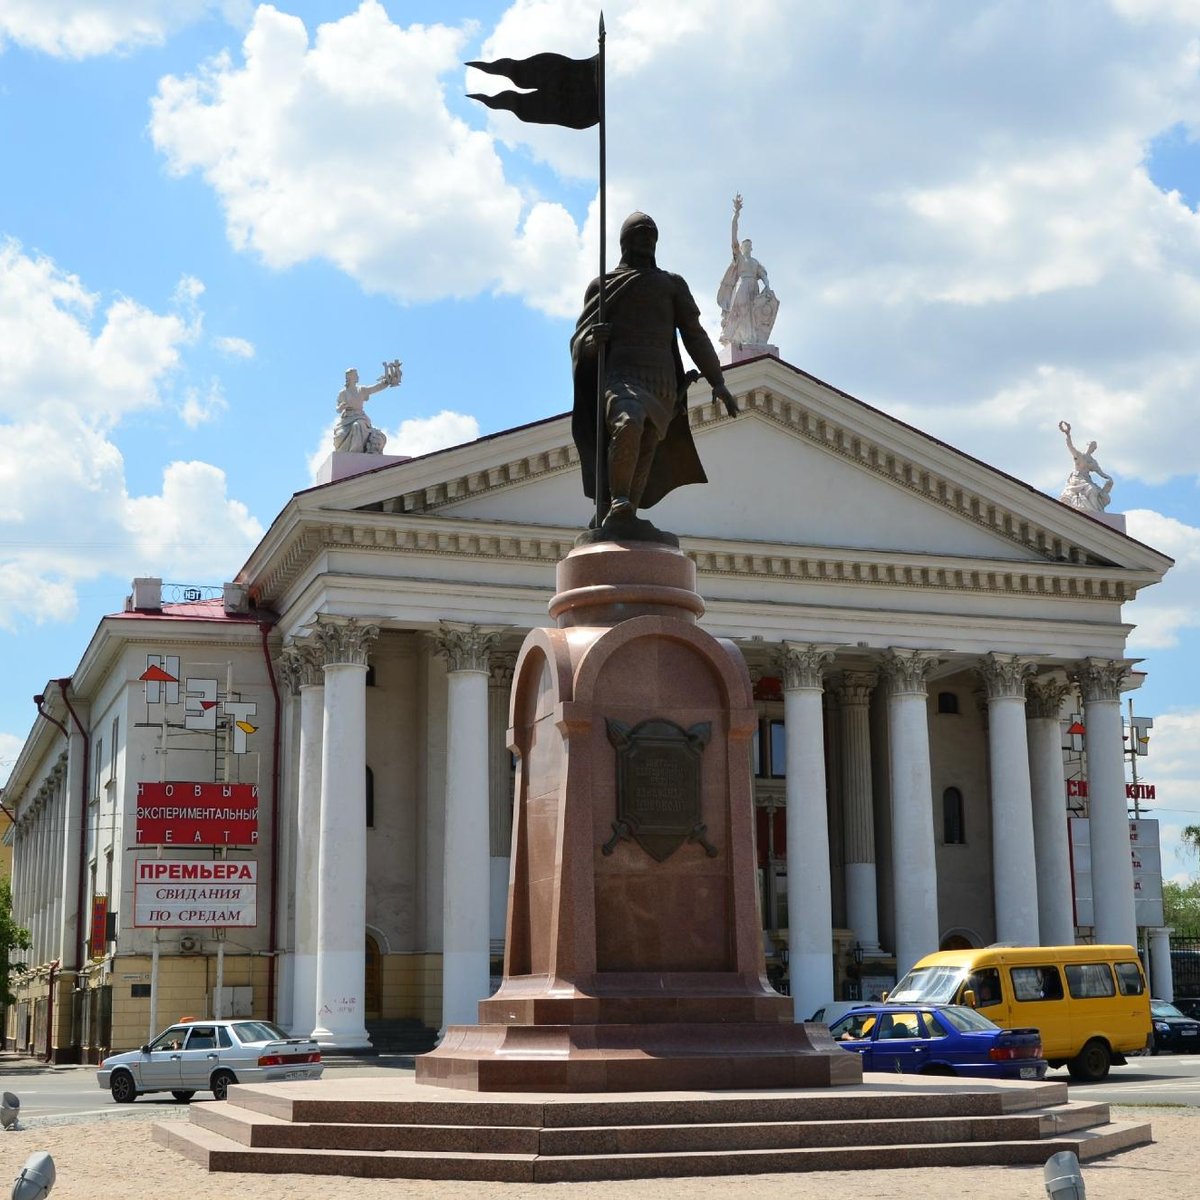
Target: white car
[(203, 1055)]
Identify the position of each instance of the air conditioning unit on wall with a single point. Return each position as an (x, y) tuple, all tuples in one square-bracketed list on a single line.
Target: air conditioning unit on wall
[(189, 943)]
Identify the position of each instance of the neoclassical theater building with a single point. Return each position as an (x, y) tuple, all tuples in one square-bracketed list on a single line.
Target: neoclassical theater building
[(921, 629)]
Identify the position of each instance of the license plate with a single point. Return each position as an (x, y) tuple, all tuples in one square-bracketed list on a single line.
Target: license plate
[(1190, 1032), (1029, 1072), (295, 1075)]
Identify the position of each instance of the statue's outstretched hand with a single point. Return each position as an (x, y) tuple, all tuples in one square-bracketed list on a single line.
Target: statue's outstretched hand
[(721, 392)]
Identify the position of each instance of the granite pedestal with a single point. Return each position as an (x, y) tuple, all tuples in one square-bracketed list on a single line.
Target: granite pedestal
[(634, 956)]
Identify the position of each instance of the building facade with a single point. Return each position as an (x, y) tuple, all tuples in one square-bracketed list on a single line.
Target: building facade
[(917, 624)]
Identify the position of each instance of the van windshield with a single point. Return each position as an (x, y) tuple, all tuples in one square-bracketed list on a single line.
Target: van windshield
[(927, 985)]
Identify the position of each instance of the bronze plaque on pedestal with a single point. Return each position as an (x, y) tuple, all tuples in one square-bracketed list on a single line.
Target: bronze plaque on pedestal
[(658, 786)]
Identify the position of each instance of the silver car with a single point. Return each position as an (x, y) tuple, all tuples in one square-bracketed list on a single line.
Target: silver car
[(204, 1055)]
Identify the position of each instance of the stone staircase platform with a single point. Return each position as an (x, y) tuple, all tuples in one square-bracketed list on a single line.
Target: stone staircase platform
[(396, 1128)]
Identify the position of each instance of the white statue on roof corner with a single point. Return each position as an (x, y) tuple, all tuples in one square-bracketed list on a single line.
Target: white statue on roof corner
[(1081, 490), (354, 433), (747, 313)]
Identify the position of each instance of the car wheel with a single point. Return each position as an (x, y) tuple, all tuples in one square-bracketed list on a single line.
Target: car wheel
[(124, 1090), (938, 1069), (183, 1097), (220, 1083), (1091, 1064)]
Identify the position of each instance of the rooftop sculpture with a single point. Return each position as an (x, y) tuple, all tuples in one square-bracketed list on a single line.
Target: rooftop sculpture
[(1081, 490), (354, 433), (748, 312)]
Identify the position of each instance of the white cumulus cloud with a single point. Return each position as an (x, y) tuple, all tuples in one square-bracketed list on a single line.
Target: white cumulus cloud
[(341, 146), (412, 438), (71, 370), (86, 28)]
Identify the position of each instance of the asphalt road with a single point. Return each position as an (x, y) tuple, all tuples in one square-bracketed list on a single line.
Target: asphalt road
[(71, 1093)]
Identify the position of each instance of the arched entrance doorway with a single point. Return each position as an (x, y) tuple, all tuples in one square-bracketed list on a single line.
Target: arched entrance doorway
[(373, 985), (956, 941)]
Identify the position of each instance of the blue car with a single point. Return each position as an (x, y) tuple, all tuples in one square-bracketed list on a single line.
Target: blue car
[(938, 1039)]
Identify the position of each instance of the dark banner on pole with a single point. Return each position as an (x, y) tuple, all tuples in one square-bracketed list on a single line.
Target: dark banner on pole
[(559, 90)]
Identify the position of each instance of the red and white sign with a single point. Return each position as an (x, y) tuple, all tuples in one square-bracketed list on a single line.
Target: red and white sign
[(197, 814), (1133, 791), (99, 940), (173, 894)]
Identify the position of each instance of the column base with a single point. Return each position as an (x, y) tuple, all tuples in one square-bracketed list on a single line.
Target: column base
[(351, 1044)]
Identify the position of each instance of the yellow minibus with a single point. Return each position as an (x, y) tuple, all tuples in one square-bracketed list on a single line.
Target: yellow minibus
[(1090, 1003)]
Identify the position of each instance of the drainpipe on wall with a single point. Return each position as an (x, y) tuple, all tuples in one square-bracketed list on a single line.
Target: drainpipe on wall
[(273, 941)]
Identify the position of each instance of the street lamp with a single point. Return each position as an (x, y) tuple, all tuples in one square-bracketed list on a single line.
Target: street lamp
[(858, 954), (1063, 1178), (36, 1177)]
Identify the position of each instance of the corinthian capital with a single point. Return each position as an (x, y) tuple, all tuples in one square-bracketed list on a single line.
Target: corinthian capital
[(1100, 679), (907, 671), (342, 640), (853, 688), (800, 664), (1004, 675), (465, 647), (300, 665), (1044, 695)]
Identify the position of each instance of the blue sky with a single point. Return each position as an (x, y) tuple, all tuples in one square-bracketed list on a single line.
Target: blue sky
[(980, 218)]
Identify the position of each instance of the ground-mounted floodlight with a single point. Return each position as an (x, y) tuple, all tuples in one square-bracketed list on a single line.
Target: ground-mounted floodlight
[(1064, 1181), (36, 1177), (10, 1110)]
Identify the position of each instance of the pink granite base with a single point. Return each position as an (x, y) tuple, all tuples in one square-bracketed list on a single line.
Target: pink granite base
[(634, 956)]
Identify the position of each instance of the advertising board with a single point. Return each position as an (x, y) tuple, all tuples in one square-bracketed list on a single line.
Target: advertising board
[(176, 894), (197, 814)]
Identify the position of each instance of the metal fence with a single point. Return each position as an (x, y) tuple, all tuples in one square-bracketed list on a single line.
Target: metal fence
[(1185, 966)]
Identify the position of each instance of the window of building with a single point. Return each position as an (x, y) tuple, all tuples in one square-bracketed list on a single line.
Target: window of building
[(370, 675), (770, 749), (370, 798), (954, 832), (947, 702)]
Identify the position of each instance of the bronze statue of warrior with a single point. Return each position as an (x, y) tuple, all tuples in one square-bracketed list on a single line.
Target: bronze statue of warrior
[(649, 449)]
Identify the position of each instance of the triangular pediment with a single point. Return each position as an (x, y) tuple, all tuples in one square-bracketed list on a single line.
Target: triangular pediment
[(803, 465)]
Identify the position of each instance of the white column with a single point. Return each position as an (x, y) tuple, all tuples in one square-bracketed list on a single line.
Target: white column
[(809, 896), (342, 858), (303, 665), (1162, 986), (40, 884), (466, 946), (1112, 863), (913, 856), (1015, 887), (1051, 845), (853, 690)]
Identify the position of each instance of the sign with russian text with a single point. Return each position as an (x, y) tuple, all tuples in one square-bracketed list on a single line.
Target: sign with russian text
[(173, 894), (197, 814), (1147, 872), (1133, 791), (99, 926)]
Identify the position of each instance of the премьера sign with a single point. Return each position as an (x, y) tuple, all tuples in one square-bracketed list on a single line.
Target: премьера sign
[(197, 814)]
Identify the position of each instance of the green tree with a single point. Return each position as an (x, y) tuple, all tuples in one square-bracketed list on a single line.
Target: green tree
[(1181, 906), (1191, 838), (12, 938)]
